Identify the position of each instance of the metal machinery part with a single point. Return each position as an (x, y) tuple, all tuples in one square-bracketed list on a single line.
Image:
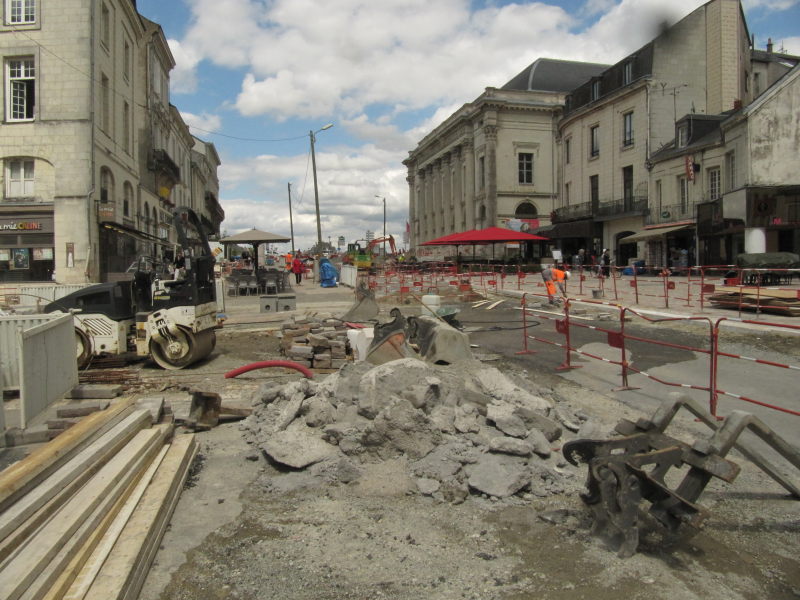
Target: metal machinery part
[(178, 349), (626, 470), (83, 348)]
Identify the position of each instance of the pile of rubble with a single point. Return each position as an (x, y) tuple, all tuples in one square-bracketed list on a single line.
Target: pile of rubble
[(317, 341), (462, 429)]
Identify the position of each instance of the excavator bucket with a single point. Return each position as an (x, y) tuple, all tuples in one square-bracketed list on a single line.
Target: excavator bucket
[(365, 308)]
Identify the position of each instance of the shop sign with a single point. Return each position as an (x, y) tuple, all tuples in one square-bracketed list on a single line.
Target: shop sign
[(21, 226)]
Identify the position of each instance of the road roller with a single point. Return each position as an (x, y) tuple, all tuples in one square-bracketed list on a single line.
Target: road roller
[(168, 317)]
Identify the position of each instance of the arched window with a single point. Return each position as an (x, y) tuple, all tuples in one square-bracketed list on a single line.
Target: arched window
[(127, 191), (106, 185), (526, 210)]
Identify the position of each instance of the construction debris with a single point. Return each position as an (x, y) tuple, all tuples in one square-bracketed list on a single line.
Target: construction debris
[(464, 429), (319, 342)]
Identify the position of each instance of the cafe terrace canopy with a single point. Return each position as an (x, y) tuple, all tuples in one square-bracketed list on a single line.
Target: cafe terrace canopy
[(489, 235), (254, 237)]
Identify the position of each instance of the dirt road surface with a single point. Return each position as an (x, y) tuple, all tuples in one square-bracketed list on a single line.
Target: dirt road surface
[(246, 529)]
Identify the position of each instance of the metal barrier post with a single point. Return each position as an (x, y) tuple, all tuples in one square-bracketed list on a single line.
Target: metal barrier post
[(525, 349), (613, 272), (635, 284), (562, 326), (623, 359)]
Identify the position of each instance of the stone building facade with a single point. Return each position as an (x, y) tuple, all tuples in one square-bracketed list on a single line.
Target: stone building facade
[(494, 160), (615, 122), (94, 156)]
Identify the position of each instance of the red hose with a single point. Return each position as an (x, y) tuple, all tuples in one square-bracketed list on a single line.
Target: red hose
[(270, 363)]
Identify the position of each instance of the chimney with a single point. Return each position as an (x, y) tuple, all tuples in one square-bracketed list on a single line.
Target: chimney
[(769, 45)]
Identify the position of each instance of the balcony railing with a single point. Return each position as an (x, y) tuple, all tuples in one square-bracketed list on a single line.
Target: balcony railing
[(672, 213), (636, 205), (572, 212)]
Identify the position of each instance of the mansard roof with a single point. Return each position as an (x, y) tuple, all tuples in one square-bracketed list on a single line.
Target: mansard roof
[(551, 75)]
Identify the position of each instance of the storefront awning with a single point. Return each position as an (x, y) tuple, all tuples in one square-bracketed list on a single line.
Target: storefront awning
[(569, 229), (127, 230), (652, 233)]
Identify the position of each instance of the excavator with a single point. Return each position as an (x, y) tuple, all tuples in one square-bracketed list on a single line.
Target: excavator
[(363, 257), (170, 320)]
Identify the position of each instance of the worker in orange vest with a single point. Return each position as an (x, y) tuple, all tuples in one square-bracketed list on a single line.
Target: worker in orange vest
[(552, 276)]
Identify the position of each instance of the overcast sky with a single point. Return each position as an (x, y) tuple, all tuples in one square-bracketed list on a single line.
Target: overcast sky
[(255, 76)]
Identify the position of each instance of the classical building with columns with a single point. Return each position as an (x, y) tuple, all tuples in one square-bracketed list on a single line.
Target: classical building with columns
[(494, 159), (94, 156)]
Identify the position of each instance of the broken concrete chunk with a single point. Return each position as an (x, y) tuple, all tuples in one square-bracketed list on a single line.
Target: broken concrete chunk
[(539, 443), (533, 420), (318, 412), (401, 429), (498, 475), (466, 419), (510, 445), (503, 417), (296, 449), (427, 487), (443, 417), (289, 412)]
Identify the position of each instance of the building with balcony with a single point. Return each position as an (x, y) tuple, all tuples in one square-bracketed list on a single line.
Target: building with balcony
[(93, 155), (494, 159), (615, 122)]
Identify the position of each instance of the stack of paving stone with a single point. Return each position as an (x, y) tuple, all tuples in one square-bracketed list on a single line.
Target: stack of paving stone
[(318, 341)]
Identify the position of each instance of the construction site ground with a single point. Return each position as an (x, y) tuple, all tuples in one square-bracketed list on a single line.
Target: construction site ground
[(236, 534)]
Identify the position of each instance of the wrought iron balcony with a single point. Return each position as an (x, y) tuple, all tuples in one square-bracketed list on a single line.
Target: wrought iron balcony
[(161, 162), (572, 212), (627, 207)]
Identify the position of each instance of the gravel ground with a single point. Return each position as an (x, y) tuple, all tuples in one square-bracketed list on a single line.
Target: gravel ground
[(249, 530)]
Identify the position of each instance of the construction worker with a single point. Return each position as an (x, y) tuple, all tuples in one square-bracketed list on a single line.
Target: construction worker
[(552, 276)]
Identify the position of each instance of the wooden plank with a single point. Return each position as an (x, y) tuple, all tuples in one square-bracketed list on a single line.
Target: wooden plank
[(25, 474), (78, 547), (84, 579), (763, 292), (136, 583), (81, 409), (26, 513), (23, 569), (145, 525), (86, 562)]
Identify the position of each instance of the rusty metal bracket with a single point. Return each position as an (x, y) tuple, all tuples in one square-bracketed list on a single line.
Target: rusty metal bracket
[(626, 470)]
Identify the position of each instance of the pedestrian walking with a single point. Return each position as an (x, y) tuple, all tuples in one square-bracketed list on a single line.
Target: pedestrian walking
[(297, 268)]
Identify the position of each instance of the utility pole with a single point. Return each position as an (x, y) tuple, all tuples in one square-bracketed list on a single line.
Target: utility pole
[(313, 138), (291, 225)]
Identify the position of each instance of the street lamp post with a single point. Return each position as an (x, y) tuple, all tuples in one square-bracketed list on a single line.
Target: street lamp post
[(312, 137), (291, 224)]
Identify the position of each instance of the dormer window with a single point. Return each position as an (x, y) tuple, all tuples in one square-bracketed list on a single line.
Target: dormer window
[(595, 89), (682, 135), (627, 72)]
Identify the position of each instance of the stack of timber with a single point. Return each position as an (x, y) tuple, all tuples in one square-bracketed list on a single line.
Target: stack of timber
[(82, 517), (778, 301)]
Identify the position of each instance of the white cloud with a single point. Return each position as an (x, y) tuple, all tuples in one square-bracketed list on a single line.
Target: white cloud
[(202, 124), (183, 78), (790, 45)]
